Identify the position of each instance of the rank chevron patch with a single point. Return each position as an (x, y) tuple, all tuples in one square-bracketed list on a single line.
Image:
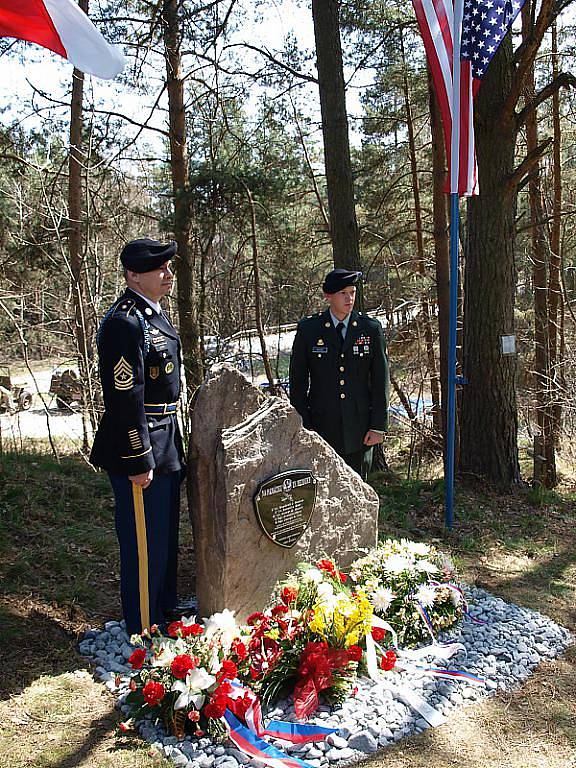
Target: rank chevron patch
[(123, 375)]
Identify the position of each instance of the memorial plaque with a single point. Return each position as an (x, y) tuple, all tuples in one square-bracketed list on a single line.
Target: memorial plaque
[(284, 505)]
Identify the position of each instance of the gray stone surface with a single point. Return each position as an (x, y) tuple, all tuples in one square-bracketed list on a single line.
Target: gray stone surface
[(241, 437)]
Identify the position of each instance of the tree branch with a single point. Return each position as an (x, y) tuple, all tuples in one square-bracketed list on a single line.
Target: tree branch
[(120, 115), (564, 80), (517, 176), (273, 60), (559, 6), (526, 53)]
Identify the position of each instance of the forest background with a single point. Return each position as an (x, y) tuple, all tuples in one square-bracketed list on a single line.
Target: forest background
[(213, 136)]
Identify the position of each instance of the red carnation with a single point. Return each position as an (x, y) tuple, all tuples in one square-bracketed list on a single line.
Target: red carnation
[(153, 693), (289, 595), (239, 649), (354, 653), (388, 661), (192, 629), (216, 707), (182, 664), (378, 633), (194, 715), (224, 689), (240, 706), (255, 618), (279, 610), (175, 629), (137, 659), (228, 671)]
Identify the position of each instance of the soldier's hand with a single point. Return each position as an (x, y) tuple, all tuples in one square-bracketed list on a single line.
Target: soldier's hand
[(372, 438), (142, 480)]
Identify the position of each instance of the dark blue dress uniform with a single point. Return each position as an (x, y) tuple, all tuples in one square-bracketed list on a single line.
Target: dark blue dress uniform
[(140, 355), (341, 390)]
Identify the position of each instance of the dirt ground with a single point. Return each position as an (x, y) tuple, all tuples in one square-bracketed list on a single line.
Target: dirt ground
[(54, 715)]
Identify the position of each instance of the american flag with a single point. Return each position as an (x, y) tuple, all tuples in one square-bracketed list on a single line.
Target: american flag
[(480, 28)]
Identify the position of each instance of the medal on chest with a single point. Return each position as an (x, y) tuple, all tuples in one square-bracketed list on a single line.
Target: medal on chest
[(361, 346)]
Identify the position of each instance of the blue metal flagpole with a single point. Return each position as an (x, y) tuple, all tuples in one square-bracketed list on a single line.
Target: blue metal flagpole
[(451, 415), (458, 10)]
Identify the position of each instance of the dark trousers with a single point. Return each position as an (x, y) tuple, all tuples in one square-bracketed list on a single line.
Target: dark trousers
[(147, 528), (360, 461)]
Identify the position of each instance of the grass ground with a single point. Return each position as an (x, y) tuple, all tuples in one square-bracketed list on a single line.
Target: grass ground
[(59, 575)]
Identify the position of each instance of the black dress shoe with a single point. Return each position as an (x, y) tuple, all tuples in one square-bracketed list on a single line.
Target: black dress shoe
[(186, 607)]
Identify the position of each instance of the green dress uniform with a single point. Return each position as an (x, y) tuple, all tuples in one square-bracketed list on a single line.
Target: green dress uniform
[(341, 390)]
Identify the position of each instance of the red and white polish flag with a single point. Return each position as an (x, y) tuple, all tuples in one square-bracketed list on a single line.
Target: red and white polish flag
[(62, 27)]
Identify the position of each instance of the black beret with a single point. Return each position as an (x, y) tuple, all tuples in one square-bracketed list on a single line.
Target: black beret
[(338, 279), (144, 255)]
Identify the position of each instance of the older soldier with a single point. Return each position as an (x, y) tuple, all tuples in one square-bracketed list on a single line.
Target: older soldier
[(138, 441), (339, 380)]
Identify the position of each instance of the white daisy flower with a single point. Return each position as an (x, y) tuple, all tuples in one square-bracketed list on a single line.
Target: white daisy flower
[(425, 566), (397, 564), (418, 548), (426, 595), (381, 599)]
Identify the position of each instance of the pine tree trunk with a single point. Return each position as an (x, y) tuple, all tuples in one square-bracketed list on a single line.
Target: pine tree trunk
[(75, 245), (555, 304), (185, 260), (489, 425), (339, 181), (544, 454)]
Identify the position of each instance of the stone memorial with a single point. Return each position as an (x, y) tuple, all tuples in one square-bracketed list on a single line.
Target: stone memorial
[(266, 495)]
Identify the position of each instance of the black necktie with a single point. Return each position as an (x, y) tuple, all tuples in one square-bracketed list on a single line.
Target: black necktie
[(340, 331)]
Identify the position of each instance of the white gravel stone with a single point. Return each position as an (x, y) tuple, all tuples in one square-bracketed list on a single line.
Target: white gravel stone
[(503, 652), (336, 741), (336, 755), (364, 742)]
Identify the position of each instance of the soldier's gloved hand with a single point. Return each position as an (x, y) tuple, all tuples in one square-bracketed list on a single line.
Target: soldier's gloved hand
[(372, 438), (142, 480)]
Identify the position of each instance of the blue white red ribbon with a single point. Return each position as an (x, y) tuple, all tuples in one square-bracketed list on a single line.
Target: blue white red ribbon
[(251, 744), (426, 619), (445, 674), (295, 733), (403, 662)]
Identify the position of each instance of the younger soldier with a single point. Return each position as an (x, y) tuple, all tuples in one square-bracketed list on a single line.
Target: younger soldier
[(339, 380), (138, 441)]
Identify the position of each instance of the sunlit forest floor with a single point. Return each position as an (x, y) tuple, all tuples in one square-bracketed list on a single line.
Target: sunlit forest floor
[(59, 575)]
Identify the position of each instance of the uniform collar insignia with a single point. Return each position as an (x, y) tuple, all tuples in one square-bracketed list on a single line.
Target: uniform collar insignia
[(158, 321)]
